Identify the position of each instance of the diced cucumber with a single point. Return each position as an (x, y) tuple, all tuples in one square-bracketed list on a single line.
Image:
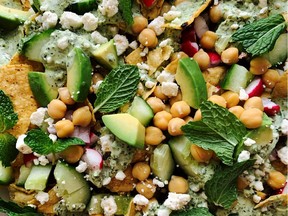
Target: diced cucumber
[(141, 110), (94, 206), (77, 201), (32, 45), (37, 178), (237, 77), (162, 163), (24, 173), (82, 6), (6, 174)]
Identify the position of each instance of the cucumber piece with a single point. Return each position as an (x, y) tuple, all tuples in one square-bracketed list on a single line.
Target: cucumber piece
[(43, 88), (6, 174), (280, 52), (82, 6), (38, 177), (32, 45), (236, 78), (162, 162), (79, 74), (77, 201), (141, 110), (94, 206), (24, 173)]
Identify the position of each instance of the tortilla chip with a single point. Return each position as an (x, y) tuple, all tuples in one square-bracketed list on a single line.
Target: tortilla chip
[(20, 59), (26, 5), (14, 82), (275, 200), (134, 57)]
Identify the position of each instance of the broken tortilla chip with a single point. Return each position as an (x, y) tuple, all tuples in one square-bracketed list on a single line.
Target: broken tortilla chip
[(20, 59), (15, 84)]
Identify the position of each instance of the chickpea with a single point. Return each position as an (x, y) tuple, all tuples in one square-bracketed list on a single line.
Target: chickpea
[(188, 119), (153, 136), (139, 23), (232, 98), (197, 115), (174, 126), (215, 14), (156, 104), (236, 110), (82, 116), (216, 99), (259, 65), (64, 128), (178, 184), (178, 97), (56, 109), (276, 180), (242, 183), (147, 37), (65, 96), (167, 108), (251, 118), (141, 171), (161, 119), (208, 40), (180, 109), (97, 77), (200, 155), (254, 102), (202, 58), (146, 188), (230, 55), (72, 154), (270, 78), (158, 93)]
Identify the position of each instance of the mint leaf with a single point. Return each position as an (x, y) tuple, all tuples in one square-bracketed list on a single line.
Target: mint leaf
[(125, 7), (40, 142), (219, 130), (222, 188), (200, 211), (118, 87), (12, 209), (8, 118), (8, 151), (260, 36)]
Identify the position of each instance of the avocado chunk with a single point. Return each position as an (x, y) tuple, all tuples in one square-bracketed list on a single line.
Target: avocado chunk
[(106, 55), (191, 81), (43, 88), (11, 18), (79, 74), (126, 127)]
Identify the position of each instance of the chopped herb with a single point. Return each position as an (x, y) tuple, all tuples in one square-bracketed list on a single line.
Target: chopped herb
[(260, 36), (40, 142), (118, 87), (125, 7), (8, 152), (12, 209)]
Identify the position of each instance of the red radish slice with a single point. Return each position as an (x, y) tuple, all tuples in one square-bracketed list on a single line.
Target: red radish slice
[(190, 48), (200, 26), (28, 159), (148, 3), (255, 88), (93, 138), (82, 133), (270, 108), (188, 34), (215, 58), (93, 159)]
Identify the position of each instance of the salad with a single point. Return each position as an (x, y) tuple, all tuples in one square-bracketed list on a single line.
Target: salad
[(143, 107)]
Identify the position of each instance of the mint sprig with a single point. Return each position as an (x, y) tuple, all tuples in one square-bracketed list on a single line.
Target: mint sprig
[(118, 87), (8, 118), (199, 211), (222, 188), (12, 209), (8, 152), (125, 7), (40, 142), (219, 130), (260, 36)]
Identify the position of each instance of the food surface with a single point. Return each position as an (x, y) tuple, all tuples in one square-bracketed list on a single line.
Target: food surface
[(143, 107)]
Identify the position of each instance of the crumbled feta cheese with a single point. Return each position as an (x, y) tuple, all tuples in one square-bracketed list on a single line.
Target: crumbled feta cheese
[(21, 146), (108, 7), (169, 89), (106, 142), (70, 20), (121, 43), (106, 181), (90, 22), (49, 20), (259, 159), (133, 44), (37, 117), (98, 38), (149, 84), (82, 166), (163, 212), (256, 198), (249, 142), (165, 76), (140, 200), (43, 160), (143, 66), (258, 185), (171, 14), (144, 52), (109, 206), (165, 42), (283, 155), (158, 182), (96, 86), (234, 26), (42, 197), (176, 201), (53, 137), (157, 25), (120, 175), (243, 156), (62, 43), (284, 126), (243, 94)]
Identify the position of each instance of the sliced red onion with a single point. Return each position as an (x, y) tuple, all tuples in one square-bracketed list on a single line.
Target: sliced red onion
[(200, 26), (82, 133), (189, 34), (255, 88), (68, 115), (93, 138), (93, 159)]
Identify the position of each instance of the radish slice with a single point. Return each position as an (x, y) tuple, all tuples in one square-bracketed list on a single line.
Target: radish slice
[(93, 159), (93, 138), (284, 190), (215, 58), (190, 48), (28, 159), (82, 133), (188, 34), (255, 88), (200, 26), (270, 108)]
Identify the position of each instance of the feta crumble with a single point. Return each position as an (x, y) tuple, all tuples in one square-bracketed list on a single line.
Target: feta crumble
[(49, 20), (108, 7), (243, 156), (63, 43), (169, 89), (243, 94), (106, 142), (109, 206), (284, 126), (37, 117), (158, 182), (249, 142), (70, 20), (157, 25), (165, 76), (90, 22), (121, 43), (176, 201), (82, 166), (120, 175), (98, 38), (172, 14), (283, 155), (21, 146), (140, 200), (42, 197)]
